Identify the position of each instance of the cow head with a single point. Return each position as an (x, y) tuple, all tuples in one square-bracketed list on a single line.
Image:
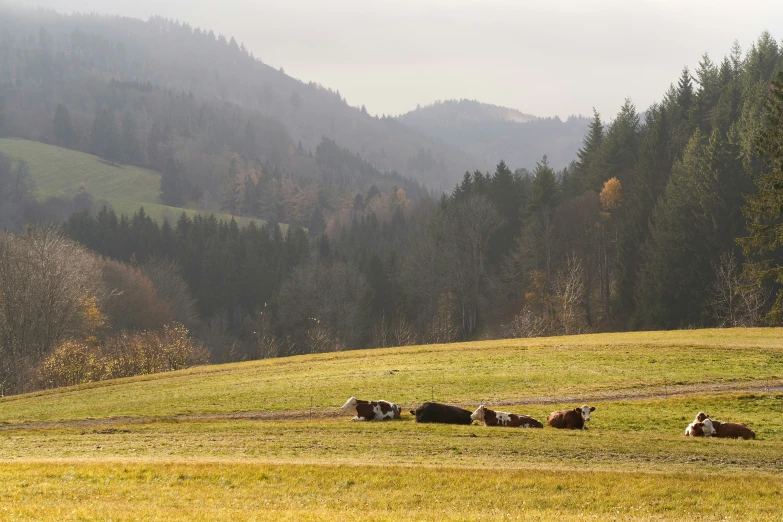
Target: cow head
[(478, 415), (584, 411), (350, 406), (701, 416), (397, 411)]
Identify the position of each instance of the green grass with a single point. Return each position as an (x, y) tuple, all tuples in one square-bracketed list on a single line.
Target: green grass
[(638, 435), (59, 172), (467, 373), (633, 463)]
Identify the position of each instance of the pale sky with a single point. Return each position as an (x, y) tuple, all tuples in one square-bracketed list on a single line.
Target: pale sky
[(549, 57)]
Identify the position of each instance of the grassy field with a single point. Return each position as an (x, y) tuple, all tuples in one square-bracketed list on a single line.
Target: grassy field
[(59, 172), (467, 373), (221, 462)]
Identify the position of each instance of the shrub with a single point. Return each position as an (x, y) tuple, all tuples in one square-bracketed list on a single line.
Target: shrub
[(69, 364), (123, 355)]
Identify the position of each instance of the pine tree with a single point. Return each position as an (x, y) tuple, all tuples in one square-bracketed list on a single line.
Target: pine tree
[(684, 92), (62, 127), (131, 144), (105, 139), (590, 145), (172, 183), (544, 190), (649, 178), (764, 209)]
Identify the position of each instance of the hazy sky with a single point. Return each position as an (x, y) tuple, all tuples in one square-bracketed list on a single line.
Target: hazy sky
[(546, 57)]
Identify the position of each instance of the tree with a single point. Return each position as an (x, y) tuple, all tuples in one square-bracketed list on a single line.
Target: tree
[(764, 209), (132, 152), (46, 281), (568, 289), (23, 183), (470, 225), (172, 183), (590, 145), (543, 195), (105, 139), (62, 127)]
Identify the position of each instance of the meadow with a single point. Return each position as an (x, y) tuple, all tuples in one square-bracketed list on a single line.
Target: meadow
[(60, 172), (241, 442)]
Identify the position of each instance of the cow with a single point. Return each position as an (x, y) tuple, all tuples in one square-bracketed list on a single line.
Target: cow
[(570, 419), (371, 410), (728, 430), (702, 428), (501, 418), (441, 413)]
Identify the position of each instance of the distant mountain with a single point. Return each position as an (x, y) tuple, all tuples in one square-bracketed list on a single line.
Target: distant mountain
[(491, 133), (86, 62)]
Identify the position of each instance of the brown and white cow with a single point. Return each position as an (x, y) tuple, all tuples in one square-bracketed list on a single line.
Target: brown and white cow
[(371, 410), (501, 418), (570, 419), (727, 430), (700, 428)]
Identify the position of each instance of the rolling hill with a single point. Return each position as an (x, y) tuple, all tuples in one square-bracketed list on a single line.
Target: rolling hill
[(265, 440), (60, 172), (72, 55), (492, 133)]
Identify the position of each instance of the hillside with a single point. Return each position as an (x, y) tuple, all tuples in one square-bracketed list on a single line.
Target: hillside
[(60, 173), (265, 438), (493, 133), (67, 58), (466, 373)]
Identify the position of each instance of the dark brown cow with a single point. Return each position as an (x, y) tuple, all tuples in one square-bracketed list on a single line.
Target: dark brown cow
[(570, 419), (501, 418), (441, 413), (728, 430), (371, 410)]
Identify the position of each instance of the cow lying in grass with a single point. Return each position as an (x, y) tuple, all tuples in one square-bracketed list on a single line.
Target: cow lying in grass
[(700, 428), (371, 410), (441, 413), (727, 430), (501, 418), (570, 419)]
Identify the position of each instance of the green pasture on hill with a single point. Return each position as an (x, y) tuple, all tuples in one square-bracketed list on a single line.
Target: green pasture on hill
[(59, 172), (465, 373), (223, 463)]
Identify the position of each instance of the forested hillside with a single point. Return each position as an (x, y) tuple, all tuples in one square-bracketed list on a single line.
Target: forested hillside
[(491, 133), (200, 109), (669, 222)]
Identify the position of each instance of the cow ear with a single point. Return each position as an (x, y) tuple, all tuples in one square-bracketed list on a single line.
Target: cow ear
[(592, 408)]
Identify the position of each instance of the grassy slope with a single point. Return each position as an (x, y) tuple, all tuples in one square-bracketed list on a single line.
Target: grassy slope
[(59, 172), (633, 463), (465, 373)]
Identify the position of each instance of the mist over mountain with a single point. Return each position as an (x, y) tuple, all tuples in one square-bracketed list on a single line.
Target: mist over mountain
[(491, 133), (50, 59)]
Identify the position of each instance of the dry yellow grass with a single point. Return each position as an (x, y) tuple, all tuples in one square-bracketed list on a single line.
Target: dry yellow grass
[(632, 464)]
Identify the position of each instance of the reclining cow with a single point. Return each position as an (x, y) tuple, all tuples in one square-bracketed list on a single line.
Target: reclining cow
[(700, 428), (441, 413), (570, 419), (371, 410), (727, 430), (501, 418)]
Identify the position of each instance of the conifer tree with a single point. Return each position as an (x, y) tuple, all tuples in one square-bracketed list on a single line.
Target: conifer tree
[(590, 145), (764, 210), (62, 127)]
